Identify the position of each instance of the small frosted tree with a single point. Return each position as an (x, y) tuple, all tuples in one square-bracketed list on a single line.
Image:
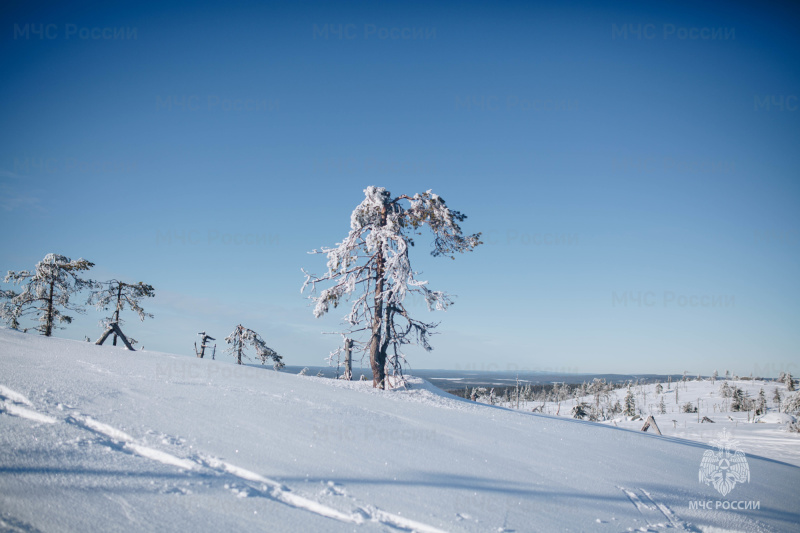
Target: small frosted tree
[(776, 398), (659, 388), (789, 381), (630, 403), (739, 400), (662, 409), (46, 292), (372, 265), (118, 294), (761, 403), (241, 337)]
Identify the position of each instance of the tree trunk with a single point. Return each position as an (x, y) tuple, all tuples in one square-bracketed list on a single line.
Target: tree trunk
[(377, 356), (48, 328), (348, 359), (116, 313), (239, 358), (114, 327)]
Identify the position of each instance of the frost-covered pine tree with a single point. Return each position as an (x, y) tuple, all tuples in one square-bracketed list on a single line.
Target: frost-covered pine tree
[(761, 403), (46, 292), (242, 336), (738, 400), (789, 380), (776, 398), (659, 388), (714, 376), (119, 294), (662, 409), (630, 403), (372, 265)]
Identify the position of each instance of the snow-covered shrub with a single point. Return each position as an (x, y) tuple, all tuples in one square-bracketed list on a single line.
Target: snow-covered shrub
[(688, 407), (581, 411), (791, 404)]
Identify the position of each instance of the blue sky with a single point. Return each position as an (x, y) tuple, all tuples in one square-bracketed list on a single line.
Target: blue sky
[(633, 167)]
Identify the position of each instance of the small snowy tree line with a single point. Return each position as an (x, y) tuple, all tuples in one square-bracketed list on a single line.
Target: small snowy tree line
[(596, 400), (49, 291)]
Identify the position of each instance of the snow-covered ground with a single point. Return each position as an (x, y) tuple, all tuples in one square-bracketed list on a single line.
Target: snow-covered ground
[(764, 435), (101, 439)]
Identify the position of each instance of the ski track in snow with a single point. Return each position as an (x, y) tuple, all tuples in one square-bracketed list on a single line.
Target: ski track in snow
[(656, 511), (22, 412), (667, 512), (128, 443), (403, 523), (13, 396), (10, 403), (280, 492), (10, 399)]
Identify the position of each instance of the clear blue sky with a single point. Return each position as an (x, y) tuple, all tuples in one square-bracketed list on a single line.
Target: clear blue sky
[(605, 150)]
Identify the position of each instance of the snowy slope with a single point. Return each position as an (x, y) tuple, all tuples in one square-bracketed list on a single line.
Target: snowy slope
[(763, 435), (100, 439)]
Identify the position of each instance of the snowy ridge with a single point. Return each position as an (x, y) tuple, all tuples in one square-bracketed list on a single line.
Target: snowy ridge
[(178, 442)]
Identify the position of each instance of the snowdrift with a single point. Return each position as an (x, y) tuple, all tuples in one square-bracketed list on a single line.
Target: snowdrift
[(102, 439)]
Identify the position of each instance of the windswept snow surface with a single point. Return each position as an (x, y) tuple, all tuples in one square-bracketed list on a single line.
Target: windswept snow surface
[(101, 439)]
